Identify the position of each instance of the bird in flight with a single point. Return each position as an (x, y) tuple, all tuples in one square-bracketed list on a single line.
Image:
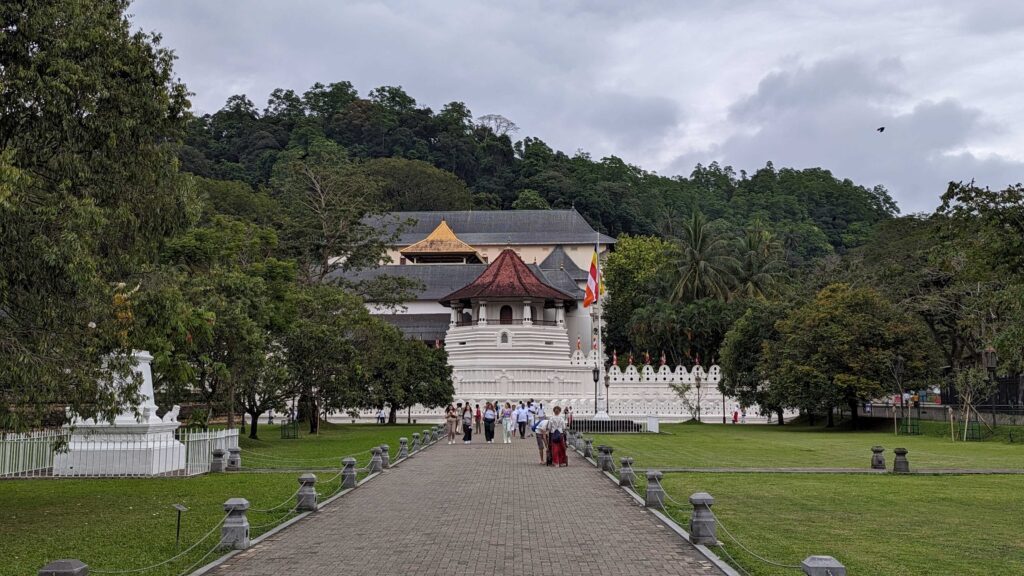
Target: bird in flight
[(880, 129)]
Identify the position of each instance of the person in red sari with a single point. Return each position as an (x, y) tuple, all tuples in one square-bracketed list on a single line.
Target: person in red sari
[(556, 438)]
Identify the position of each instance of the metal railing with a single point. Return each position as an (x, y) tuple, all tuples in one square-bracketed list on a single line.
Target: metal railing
[(615, 426), (60, 453), (506, 322)]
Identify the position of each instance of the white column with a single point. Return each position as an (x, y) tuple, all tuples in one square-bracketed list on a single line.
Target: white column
[(527, 321), (455, 316), (482, 313), (560, 314)]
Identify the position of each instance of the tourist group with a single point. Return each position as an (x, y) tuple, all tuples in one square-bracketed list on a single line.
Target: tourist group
[(527, 418)]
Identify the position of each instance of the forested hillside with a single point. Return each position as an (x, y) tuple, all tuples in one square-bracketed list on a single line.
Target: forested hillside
[(448, 159)]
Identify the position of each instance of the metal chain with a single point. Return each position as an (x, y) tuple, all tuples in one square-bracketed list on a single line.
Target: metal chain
[(275, 521), (289, 499), (197, 563), (748, 550), (733, 560), (169, 560)]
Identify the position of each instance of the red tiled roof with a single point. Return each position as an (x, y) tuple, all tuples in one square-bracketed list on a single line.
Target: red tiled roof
[(507, 277)]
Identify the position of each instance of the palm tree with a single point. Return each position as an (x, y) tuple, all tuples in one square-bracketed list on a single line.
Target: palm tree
[(761, 265), (705, 265)]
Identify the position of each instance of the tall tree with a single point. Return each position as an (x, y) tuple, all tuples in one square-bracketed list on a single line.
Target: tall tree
[(89, 112), (704, 261)]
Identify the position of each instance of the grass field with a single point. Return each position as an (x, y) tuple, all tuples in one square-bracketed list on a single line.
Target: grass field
[(888, 524), (121, 524), (754, 446)]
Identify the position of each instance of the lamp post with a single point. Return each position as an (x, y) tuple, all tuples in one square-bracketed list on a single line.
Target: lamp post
[(990, 359), (696, 377), (597, 377), (607, 383)]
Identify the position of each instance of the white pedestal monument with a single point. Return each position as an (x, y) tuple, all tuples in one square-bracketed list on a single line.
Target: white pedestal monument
[(130, 446)]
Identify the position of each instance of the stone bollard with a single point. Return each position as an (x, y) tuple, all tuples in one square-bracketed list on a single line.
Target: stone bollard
[(385, 457), (579, 442), (234, 533), (655, 497), (217, 464), (588, 450), (376, 464), (426, 439), (348, 473), (403, 448), (702, 523), (877, 460), (305, 500), (67, 567), (234, 460), (900, 465), (626, 475), (435, 435), (822, 566), (415, 443), (609, 464)]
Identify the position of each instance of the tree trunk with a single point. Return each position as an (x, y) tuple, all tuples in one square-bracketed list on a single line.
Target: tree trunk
[(231, 407), (781, 421), (831, 418), (853, 415), (810, 418), (393, 415), (255, 421), (314, 416)]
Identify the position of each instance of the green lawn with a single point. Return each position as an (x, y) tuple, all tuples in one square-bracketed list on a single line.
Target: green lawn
[(753, 446), (874, 524), (120, 524), (893, 525)]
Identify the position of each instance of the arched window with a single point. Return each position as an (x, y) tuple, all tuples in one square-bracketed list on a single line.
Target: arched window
[(533, 314), (504, 337), (506, 315), (467, 318)]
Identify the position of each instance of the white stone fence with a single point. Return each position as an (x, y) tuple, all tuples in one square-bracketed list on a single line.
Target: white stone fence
[(34, 454)]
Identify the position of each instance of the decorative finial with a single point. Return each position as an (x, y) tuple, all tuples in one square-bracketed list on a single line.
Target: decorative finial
[(579, 342), (631, 358), (662, 357), (615, 358)]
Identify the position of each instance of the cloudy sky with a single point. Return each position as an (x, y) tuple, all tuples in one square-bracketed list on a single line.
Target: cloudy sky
[(662, 84)]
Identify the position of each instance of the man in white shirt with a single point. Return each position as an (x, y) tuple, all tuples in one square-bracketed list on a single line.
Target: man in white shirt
[(521, 416), (531, 410)]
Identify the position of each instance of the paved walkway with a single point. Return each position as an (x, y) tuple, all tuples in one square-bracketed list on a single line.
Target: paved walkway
[(478, 509)]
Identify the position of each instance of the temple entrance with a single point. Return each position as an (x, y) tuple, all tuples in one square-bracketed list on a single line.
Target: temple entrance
[(506, 315)]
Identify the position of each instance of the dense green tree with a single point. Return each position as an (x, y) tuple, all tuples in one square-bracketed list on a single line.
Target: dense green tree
[(530, 200), (89, 111), (416, 185), (742, 357), (838, 350), (761, 266), (704, 261)]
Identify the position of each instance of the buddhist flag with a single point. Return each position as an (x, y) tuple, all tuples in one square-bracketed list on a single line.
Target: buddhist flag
[(595, 283)]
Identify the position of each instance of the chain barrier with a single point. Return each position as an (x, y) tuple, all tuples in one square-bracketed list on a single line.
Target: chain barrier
[(274, 522), (744, 548), (199, 562), (289, 499), (169, 560)]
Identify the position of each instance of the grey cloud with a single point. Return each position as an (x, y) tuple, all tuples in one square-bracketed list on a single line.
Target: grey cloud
[(810, 116)]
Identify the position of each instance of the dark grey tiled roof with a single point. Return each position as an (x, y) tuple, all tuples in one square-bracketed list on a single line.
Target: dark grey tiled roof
[(498, 227), (442, 279), (438, 279), (428, 327), (559, 260)]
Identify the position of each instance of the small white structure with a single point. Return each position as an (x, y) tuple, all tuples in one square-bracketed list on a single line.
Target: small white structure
[(142, 445)]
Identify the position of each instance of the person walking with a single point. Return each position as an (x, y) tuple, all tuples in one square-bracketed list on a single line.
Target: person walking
[(477, 419), (521, 418), (508, 423), (451, 422), (458, 420), (531, 415), (467, 424), (489, 416), (556, 438)]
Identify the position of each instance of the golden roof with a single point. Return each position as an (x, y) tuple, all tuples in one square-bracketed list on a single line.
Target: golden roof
[(441, 241)]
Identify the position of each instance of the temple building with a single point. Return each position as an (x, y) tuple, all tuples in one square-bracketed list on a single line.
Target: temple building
[(503, 291)]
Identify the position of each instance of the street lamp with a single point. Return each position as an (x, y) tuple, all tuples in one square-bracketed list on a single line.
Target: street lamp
[(607, 383), (597, 378), (696, 377)]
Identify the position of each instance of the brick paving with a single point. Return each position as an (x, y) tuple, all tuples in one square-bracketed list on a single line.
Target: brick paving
[(477, 509)]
